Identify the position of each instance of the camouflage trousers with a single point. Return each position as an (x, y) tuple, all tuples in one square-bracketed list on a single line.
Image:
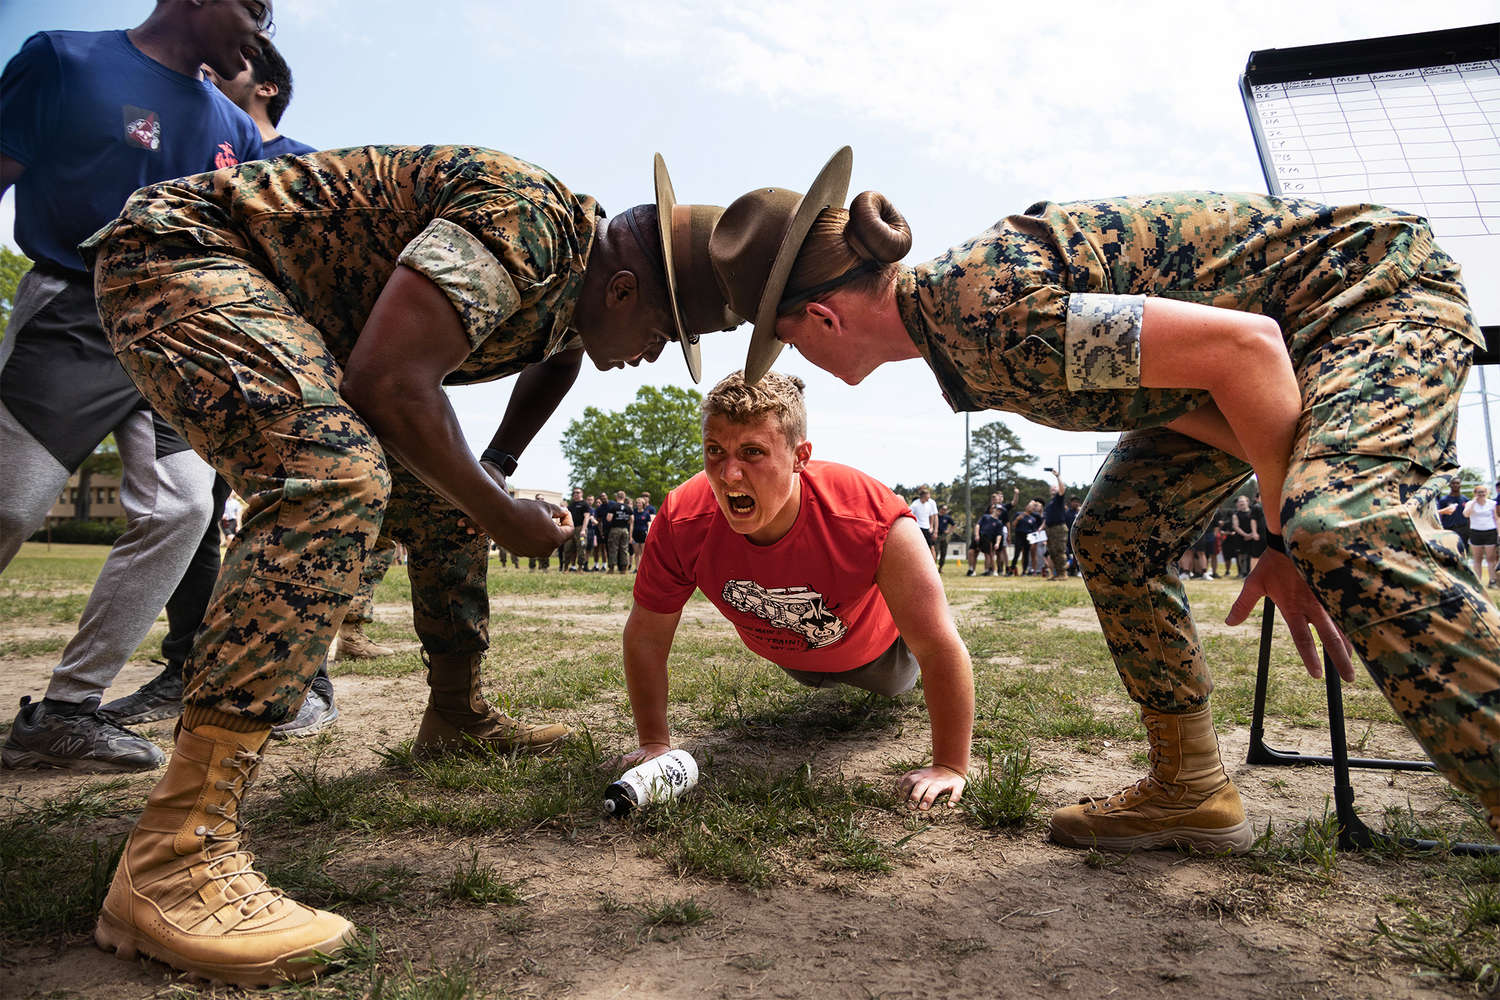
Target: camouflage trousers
[(1373, 452), (618, 557), (252, 387), (362, 608), (574, 556)]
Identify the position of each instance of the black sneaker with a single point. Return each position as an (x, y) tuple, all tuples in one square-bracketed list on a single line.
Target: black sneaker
[(75, 738), (317, 713), (159, 698)]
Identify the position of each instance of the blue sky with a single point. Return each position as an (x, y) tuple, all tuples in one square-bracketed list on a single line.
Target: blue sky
[(960, 112)]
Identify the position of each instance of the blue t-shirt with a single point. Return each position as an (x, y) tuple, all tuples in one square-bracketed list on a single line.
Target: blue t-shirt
[(639, 521), (285, 145), (92, 118)]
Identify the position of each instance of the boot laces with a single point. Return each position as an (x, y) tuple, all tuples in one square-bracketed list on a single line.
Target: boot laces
[(260, 896), (1145, 786)]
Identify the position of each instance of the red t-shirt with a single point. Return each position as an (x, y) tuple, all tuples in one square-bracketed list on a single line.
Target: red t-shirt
[(806, 602)]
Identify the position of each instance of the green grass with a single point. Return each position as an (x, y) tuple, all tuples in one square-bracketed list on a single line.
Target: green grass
[(481, 885), (1005, 792), (750, 826), (56, 862), (778, 807)]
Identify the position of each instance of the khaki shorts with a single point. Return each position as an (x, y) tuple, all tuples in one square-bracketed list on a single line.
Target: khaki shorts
[(891, 673)]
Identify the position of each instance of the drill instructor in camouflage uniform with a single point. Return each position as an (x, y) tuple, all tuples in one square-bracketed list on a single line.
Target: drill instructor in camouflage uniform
[(297, 319), (1323, 349)]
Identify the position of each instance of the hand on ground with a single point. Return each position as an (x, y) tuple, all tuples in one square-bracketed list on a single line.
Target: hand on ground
[(924, 786), (638, 756)]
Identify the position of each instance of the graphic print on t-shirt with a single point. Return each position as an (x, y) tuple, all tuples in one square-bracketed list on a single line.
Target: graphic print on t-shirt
[(799, 609), (142, 127)]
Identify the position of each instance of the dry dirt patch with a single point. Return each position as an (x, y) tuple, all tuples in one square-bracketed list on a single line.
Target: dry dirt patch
[(964, 914)]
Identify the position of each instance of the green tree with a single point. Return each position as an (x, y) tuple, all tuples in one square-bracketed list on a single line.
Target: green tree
[(995, 452), (653, 444), (12, 266)]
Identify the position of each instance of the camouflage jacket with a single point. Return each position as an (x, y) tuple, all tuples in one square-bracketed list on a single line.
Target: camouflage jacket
[(1041, 314), (504, 240)]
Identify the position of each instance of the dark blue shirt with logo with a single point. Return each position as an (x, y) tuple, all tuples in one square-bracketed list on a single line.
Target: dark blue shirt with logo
[(92, 118), (284, 145)]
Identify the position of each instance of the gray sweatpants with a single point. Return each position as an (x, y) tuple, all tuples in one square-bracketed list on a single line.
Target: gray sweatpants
[(167, 500)]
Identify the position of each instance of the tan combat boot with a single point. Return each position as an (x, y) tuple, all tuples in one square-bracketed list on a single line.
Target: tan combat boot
[(458, 717), (355, 645), (186, 894), (1185, 801)]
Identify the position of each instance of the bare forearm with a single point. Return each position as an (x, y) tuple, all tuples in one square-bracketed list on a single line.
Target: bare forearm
[(948, 686), (647, 646), (422, 433), (538, 390), (1208, 425), (1242, 361)]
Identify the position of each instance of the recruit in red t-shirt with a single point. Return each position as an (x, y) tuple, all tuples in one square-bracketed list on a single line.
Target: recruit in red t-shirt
[(805, 602)]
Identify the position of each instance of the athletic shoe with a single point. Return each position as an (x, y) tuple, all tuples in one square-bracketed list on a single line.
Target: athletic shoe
[(317, 713), (75, 738), (157, 699)]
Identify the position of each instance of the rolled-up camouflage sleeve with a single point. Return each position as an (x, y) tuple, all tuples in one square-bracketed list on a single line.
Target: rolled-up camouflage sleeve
[(455, 260), (1102, 341)]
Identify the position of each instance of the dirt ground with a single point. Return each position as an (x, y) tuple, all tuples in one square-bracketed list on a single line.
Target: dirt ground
[(965, 914)]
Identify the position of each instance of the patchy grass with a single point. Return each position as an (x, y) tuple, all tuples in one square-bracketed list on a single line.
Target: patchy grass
[(795, 795), (1004, 794), (56, 861), (481, 885)]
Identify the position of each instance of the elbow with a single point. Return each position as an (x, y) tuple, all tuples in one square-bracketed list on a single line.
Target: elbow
[(371, 393), (1261, 338)]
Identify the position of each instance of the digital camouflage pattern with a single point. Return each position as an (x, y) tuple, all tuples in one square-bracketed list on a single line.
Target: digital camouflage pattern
[(504, 239), (233, 300), (362, 607), (1041, 316)]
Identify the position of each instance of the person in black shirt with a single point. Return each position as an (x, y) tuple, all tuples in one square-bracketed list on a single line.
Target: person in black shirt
[(617, 533), (1055, 518), (574, 553), (944, 531)]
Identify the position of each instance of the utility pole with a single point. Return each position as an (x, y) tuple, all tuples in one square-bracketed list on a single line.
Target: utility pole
[(968, 486), (1484, 406)]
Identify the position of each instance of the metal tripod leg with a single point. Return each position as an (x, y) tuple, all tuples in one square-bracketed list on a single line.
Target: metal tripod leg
[(1353, 833), (1262, 754)]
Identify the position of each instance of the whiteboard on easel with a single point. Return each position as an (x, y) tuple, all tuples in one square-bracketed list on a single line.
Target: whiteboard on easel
[(1411, 122)]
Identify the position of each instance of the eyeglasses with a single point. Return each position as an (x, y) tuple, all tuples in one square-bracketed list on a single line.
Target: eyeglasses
[(262, 14)]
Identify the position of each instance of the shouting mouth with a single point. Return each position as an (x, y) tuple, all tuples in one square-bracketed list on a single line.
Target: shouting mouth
[(740, 504)]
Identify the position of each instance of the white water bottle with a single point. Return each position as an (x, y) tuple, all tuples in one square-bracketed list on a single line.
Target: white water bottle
[(657, 780)]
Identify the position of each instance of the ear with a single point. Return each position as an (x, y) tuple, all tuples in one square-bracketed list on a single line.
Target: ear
[(803, 453), (267, 90), (818, 312), (622, 290)]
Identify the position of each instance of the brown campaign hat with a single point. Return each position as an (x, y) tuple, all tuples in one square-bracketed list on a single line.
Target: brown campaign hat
[(757, 240), (698, 306)]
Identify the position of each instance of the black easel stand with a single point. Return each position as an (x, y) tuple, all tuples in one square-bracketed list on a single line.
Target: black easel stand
[(1354, 835)]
